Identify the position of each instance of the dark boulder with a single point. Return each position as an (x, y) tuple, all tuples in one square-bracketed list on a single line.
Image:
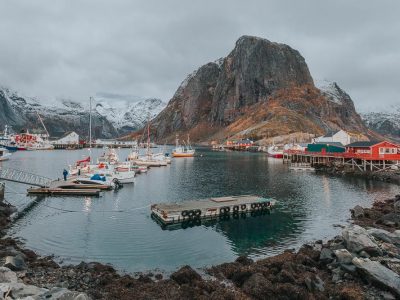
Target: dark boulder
[(186, 275)]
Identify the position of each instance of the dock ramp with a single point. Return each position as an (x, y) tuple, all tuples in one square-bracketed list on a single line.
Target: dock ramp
[(23, 177)]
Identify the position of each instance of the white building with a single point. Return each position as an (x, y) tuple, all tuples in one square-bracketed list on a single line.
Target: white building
[(339, 136), (69, 138)]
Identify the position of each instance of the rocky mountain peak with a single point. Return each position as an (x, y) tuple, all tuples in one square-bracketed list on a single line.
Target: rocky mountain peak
[(252, 72), (259, 88)]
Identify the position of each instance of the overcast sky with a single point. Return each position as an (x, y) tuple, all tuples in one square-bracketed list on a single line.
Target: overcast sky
[(75, 49)]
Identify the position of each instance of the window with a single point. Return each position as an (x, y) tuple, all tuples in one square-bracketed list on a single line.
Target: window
[(387, 150), (363, 151)]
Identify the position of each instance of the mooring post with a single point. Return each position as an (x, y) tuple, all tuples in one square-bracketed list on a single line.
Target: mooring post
[(2, 188)]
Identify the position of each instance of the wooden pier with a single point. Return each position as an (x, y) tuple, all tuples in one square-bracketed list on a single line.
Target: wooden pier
[(354, 161), (170, 213)]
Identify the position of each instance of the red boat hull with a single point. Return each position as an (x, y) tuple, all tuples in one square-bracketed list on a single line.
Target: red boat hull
[(276, 155)]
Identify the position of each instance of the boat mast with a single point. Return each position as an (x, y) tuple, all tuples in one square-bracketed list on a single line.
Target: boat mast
[(41, 121), (148, 135), (90, 123), (188, 142)]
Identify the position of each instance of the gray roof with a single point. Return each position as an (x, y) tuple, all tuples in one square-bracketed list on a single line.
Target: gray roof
[(363, 144), (331, 133)]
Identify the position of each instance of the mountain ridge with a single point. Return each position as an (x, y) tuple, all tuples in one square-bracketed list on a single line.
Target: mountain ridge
[(109, 120), (259, 89)]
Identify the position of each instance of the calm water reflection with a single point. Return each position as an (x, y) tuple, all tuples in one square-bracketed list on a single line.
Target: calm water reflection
[(117, 228)]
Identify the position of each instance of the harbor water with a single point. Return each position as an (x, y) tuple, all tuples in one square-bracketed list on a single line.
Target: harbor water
[(117, 227)]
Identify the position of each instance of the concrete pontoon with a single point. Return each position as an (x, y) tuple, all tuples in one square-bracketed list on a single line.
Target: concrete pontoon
[(169, 213)]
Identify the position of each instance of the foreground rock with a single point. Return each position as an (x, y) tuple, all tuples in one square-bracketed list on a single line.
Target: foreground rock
[(357, 240), (361, 263), (379, 274), (11, 288)]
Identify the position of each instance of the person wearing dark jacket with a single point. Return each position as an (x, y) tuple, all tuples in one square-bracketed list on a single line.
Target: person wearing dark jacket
[(65, 173)]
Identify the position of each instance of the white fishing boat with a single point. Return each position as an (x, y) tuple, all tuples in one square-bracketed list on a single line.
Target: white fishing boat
[(183, 150), (4, 154), (129, 166), (275, 151), (80, 167), (149, 160), (113, 176), (133, 155), (161, 156), (110, 156), (105, 184)]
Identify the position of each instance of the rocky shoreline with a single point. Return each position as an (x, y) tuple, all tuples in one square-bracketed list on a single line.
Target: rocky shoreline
[(362, 263), (392, 176)]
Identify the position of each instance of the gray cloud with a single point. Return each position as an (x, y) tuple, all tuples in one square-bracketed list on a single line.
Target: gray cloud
[(146, 48)]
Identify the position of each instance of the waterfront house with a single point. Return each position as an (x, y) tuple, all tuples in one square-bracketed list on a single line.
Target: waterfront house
[(333, 147), (381, 149), (69, 138), (339, 136), (239, 144)]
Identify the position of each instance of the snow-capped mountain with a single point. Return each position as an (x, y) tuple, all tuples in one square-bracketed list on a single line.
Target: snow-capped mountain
[(385, 122), (112, 115), (126, 115)]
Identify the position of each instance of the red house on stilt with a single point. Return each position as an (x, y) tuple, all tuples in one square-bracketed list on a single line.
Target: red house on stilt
[(374, 150)]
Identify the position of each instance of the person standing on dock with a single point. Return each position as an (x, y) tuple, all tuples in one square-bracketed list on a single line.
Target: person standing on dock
[(65, 173)]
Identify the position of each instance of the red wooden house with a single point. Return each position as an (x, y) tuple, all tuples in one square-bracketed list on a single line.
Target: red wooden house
[(374, 150)]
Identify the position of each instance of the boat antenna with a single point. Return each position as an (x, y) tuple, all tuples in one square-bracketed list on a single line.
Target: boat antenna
[(41, 121)]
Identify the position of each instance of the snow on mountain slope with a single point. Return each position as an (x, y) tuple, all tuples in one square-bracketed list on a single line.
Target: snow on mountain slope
[(112, 114), (331, 90), (386, 122), (127, 116)]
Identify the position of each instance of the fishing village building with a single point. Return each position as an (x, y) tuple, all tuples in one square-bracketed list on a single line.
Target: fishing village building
[(339, 136), (68, 140), (239, 144), (372, 156)]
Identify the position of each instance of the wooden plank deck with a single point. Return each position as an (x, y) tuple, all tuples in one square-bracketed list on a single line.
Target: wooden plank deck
[(169, 213)]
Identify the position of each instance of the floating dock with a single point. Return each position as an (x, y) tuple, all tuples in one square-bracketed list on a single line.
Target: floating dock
[(170, 213), (69, 188), (64, 192)]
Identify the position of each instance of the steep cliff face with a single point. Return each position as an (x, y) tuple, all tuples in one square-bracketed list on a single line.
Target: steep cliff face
[(252, 72), (260, 89), (191, 105), (7, 114)]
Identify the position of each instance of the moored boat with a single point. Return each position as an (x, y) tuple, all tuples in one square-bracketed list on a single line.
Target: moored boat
[(183, 151), (4, 154), (275, 151)]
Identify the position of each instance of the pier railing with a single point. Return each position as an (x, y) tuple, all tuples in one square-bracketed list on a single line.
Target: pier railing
[(23, 177)]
